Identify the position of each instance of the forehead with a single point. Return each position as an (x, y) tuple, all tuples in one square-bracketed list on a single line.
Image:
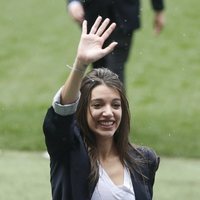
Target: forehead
[(104, 92)]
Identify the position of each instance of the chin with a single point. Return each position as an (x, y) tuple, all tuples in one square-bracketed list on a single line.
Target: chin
[(105, 134)]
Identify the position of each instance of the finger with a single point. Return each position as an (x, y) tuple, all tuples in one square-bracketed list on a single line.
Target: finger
[(109, 48), (84, 27), (108, 31), (96, 25), (103, 26)]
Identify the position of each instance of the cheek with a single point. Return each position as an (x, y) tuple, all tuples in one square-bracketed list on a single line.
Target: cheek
[(95, 114), (92, 117)]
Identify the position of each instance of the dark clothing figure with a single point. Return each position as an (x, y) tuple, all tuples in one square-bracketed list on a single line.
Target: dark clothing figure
[(126, 14)]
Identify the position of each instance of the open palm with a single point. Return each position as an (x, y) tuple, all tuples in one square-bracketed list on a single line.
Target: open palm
[(90, 45)]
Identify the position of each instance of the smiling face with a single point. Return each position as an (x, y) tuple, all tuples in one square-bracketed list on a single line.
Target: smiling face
[(104, 111)]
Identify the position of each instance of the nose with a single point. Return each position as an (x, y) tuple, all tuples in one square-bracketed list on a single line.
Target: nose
[(107, 111)]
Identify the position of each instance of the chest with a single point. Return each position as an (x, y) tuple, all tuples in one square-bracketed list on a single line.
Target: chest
[(114, 169), (107, 189)]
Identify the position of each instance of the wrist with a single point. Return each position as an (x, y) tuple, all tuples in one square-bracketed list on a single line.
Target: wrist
[(79, 65), (159, 12)]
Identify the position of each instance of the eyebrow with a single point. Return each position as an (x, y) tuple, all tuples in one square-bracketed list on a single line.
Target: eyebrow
[(100, 99)]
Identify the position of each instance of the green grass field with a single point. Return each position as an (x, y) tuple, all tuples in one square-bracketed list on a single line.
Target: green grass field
[(162, 78), (37, 40), (25, 176)]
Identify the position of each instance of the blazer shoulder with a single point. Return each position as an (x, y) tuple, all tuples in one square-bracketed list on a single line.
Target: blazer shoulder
[(150, 157)]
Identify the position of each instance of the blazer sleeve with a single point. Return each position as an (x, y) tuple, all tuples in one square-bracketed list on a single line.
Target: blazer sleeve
[(151, 160), (157, 5), (153, 163), (60, 133)]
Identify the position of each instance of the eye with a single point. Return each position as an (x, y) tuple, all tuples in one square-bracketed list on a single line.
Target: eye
[(116, 106), (96, 105)]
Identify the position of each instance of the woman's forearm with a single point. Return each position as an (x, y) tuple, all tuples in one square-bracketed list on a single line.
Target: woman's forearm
[(71, 88)]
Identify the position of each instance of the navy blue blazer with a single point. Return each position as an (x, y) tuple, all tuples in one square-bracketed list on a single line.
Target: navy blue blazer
[(70, 165), (126, 13)]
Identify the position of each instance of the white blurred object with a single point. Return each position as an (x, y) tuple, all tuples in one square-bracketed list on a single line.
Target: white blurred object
[(45, 155)]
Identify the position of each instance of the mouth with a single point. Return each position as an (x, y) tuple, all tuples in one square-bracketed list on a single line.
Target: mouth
[(106, 124)]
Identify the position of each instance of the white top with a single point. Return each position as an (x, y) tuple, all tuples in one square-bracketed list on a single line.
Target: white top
[(107, 190)]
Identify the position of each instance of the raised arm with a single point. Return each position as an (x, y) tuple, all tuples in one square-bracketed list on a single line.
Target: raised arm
[(89, 50)]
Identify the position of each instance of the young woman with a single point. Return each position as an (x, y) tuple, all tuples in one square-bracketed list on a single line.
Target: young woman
[(86, 132)]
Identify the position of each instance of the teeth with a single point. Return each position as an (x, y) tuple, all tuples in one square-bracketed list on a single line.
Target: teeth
[(106, 123)]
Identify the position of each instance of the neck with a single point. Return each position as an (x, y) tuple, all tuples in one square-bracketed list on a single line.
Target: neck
[(106, 149)]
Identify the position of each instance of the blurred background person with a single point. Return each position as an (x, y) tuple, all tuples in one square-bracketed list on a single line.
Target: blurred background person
[(127, 15)]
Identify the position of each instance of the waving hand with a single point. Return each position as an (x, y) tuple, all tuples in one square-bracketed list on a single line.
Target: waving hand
[(90, 47)]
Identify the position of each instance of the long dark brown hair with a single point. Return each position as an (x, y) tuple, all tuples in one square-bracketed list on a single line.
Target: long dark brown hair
[(121, 137)]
